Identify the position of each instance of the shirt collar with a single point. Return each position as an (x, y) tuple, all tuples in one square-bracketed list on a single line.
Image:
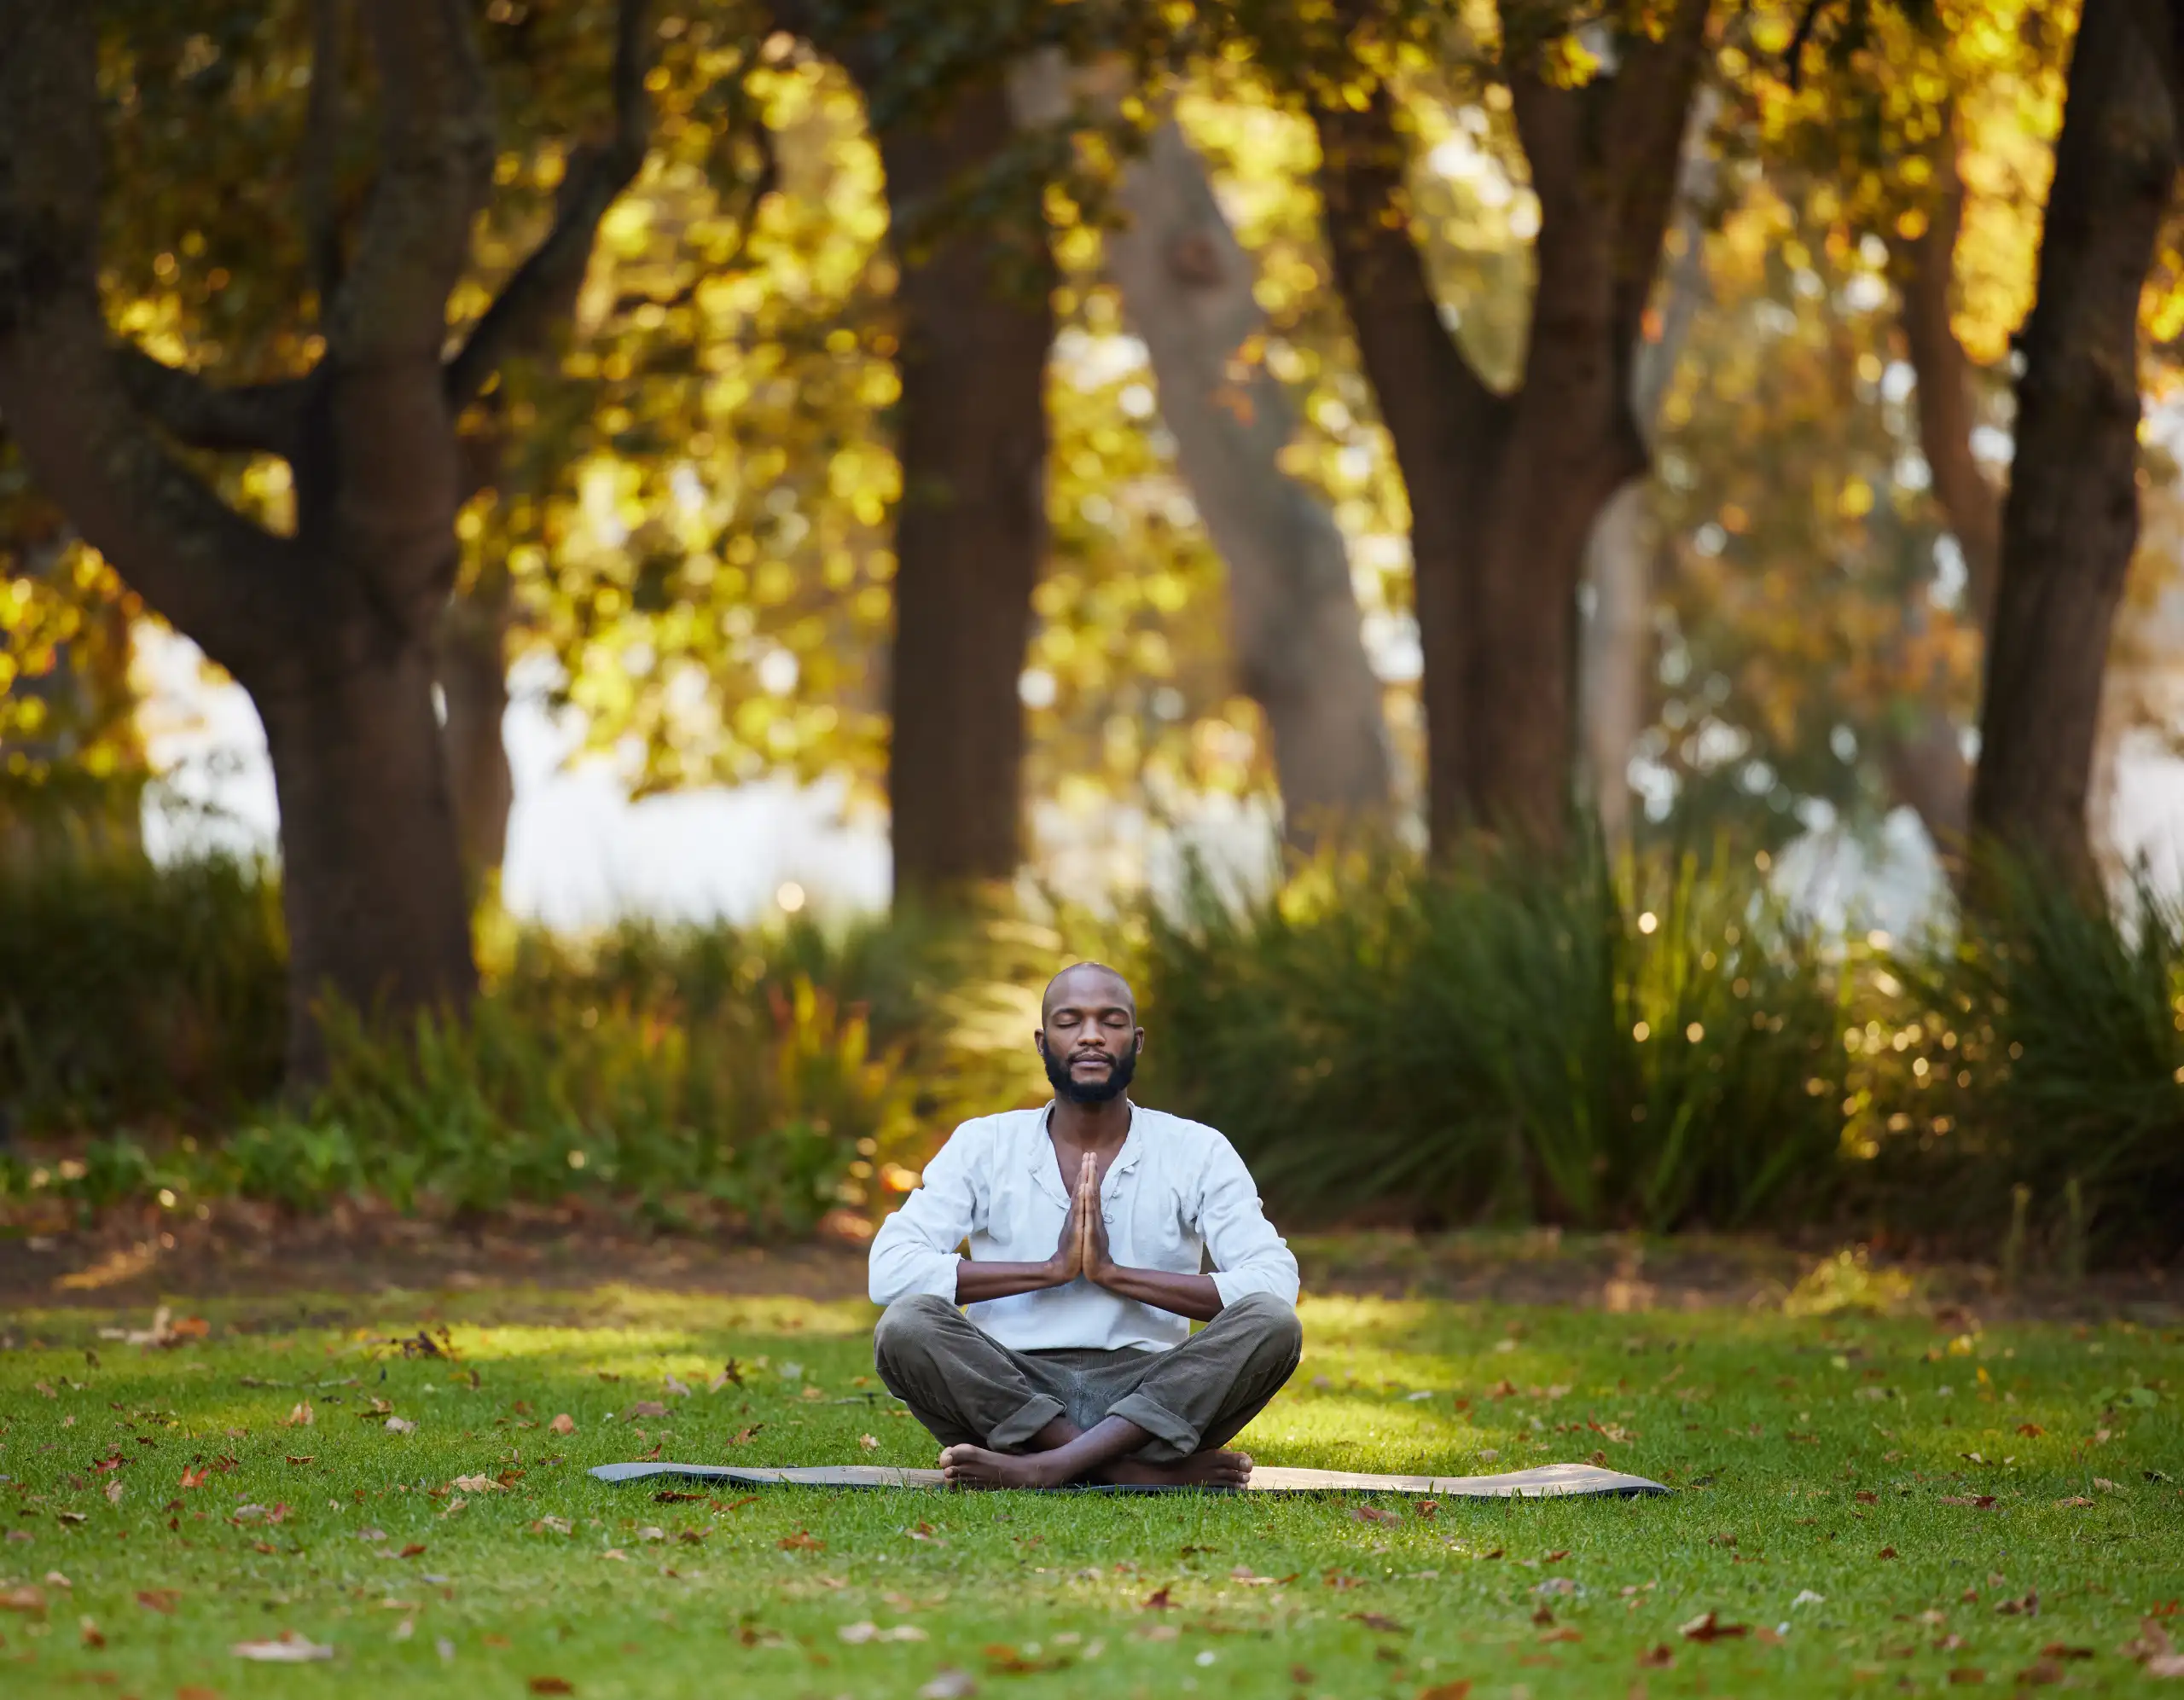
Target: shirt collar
[(1048, 1172)]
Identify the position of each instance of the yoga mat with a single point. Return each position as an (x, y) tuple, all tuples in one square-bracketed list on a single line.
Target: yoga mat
[(1548, 1482)]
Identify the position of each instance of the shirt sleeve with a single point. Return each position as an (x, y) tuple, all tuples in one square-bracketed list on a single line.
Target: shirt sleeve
[(1248, 1255), (915, 1250)]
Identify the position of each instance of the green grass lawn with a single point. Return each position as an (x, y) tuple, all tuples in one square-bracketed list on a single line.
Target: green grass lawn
[(1874, 1502)]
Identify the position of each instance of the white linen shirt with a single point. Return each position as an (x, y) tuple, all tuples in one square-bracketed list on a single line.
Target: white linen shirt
[(1175, 1191)]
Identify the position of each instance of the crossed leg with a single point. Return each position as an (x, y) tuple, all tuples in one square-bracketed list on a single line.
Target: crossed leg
[(1001, 1426)]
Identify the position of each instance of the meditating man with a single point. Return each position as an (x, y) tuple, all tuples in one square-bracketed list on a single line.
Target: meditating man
[(1088, 1222)]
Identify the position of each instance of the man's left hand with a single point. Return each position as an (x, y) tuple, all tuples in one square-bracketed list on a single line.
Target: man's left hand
[(1099, 1265)]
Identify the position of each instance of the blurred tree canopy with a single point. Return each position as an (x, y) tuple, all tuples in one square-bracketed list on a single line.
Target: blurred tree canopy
[(680, 488)]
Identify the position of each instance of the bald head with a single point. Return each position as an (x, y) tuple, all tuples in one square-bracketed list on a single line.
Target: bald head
[(1089, 988)]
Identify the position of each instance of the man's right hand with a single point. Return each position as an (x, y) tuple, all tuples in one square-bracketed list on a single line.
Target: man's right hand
[(1068, 1262)]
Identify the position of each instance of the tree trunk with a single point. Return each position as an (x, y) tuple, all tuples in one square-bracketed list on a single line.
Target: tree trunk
[(977, 319), (470, 663), (328, 629), (1925, 761), (2072, 515), (1613, 647), (1615, 643), (374, 900), (1504, 490), (1187, 286)]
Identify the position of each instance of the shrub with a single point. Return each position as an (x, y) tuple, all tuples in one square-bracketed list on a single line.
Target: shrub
[(1651, 1047), (130, 990), (2039, 1046)]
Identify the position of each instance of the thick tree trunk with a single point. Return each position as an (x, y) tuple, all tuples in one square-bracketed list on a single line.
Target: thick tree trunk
[(1446, 426), (1187, 286), (374, 897), (329, 629), (2072, 515), (1504, 492), (976, 320), (470, 663)]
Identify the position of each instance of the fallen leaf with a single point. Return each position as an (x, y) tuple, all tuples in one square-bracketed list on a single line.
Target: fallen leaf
[(485, 1484), (870, 1442), (416, 1549), (1458, 1690), (1556, 1557), (1564, 1633), (1157, 1600), (113, 1493), (290, 1649), (89, 1628), (645, 1407), (2075, 1500), (551, 1685), (1965, 1676), (2059, 1650), (2041, 1671), (743, 1436), (1657, 1657), (400, 1425), (949, 1684), (1373, 1620), (1886, 1553), (1865, 1497), (305, 1459), (157, 1599), (1337, 1582), (2031, 1429), (299, 1418), (552, 1525), (802, 1540), (1977, 1501), (2106, 1485), (1373, 1514), (1426, 1508), (563, 1424), (1707, 1627), (195, 1479)]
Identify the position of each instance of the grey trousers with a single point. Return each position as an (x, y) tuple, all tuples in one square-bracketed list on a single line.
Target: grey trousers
[(968, 1388)]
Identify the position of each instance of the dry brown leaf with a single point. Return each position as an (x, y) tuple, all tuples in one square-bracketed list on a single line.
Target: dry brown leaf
[(802, 1541), (1373, 1620), (1658, 1657), (2031, 1431), (1373, 1514), (870, 1442), (1886, 1553), (744, 1436), (1458, 1690), (1157, 1600), (551, 1685), (563, 1424), (645, 1407), (1556, 1557), (300, 1416), (24, 1599), (1564, 1633), (157, 1599), (1965, 1676), (416, 1549), (1707, 1627)]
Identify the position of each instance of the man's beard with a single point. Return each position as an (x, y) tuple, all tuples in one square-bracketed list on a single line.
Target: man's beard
[(1089, 1091)]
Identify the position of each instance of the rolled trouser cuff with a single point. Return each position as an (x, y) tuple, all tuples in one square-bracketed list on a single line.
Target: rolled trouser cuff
[(1026, 1420), (1174, 1437)]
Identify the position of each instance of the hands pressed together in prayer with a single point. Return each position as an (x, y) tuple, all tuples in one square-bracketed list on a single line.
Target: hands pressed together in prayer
[(1082, 1250), (1083, 1247)]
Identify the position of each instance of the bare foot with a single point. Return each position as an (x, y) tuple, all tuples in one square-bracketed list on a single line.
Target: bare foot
[(973, 1467), (1200, 1469)]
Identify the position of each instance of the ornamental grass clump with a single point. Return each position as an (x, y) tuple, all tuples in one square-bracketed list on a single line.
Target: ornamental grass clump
[(1650, 1046)]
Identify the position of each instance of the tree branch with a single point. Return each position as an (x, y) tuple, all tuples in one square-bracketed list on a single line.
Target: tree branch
[(436, 161), (255, 418), (2161, 23), (322, 151), (547, 281), (213, 574)]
